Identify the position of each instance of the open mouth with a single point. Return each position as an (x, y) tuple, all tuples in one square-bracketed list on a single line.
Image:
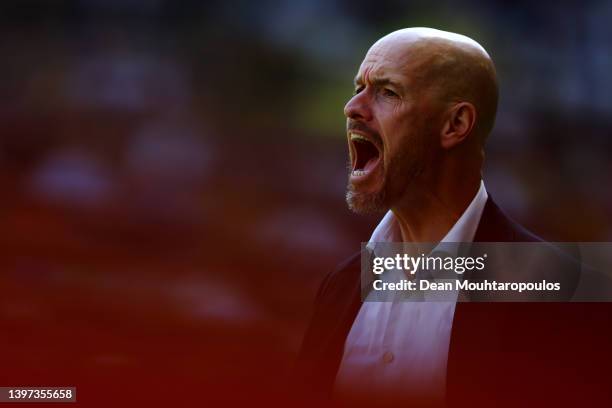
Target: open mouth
[(366, 155)]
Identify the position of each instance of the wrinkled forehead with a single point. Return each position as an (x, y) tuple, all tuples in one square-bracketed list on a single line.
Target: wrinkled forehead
[(391, 60)]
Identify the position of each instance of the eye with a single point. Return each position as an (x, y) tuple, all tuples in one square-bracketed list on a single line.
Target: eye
[(358, 89), (389, 92)]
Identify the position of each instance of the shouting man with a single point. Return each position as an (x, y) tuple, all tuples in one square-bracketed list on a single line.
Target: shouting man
[(424, 104)]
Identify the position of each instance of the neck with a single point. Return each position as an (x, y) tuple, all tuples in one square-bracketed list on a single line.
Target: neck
[(429, 216)]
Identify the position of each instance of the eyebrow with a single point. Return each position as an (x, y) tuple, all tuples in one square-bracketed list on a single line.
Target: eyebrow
[(378, 81)]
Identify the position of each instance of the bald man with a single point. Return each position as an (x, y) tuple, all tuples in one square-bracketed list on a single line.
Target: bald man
[(424, 103)]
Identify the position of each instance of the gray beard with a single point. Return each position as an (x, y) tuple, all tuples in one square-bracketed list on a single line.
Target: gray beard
[(366, 204), (380, 202)]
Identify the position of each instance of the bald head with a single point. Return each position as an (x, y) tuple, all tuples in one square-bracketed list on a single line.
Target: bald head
[(452, 66), (407, 36)]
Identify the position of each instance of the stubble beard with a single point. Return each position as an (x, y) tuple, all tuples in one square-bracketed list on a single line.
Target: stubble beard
[(366, 203), (400, 176)]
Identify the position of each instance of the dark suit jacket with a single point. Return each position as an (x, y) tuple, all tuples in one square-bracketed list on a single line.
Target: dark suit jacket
[(508, 354)]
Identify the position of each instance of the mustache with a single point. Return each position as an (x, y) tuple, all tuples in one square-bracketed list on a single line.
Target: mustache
[(361, 127)]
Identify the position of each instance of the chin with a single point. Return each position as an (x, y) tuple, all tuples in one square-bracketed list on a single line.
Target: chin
[(366, 204)]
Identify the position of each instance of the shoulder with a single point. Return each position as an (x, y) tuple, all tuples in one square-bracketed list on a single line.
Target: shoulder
[(528, 257), (340, 281), (496, 226)]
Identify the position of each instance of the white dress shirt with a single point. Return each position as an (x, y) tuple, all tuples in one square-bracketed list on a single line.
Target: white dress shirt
[(401, 348)]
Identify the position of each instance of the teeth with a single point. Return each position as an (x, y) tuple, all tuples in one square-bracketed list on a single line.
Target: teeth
[(359, 172), (355, 136)]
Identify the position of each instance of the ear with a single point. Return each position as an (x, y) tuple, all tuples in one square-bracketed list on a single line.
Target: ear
[(459, 124)]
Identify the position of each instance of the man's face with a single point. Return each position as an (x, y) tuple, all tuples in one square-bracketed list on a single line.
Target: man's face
[(391, 123)]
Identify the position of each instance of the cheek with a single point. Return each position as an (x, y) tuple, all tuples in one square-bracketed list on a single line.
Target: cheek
[(397, 130)]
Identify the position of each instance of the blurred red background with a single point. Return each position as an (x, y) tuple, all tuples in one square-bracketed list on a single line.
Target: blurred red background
[(172, 175)]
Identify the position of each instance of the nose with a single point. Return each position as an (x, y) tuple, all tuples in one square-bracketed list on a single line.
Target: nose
[(358, 107)]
